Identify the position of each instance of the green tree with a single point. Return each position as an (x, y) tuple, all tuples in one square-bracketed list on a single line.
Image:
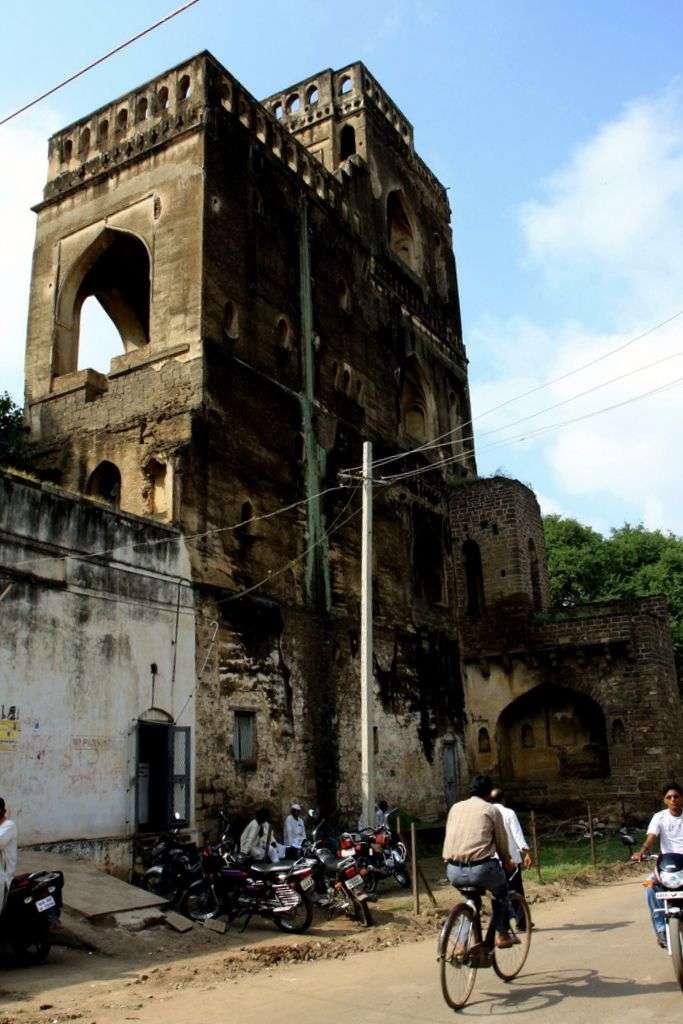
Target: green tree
[(14, 450), (632, 562)]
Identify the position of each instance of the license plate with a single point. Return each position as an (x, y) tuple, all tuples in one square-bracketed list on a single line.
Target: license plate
[(45, 904), (353, 883), (306, 883), (669, 895)]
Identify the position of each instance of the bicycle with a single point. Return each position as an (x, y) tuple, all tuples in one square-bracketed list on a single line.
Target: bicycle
[(462, 951)]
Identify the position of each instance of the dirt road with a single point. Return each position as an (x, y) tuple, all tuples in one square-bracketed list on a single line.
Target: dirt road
[(593, 959)]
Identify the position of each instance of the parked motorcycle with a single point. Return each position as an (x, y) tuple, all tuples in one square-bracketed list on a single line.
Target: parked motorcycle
[(339, 882), (230, 886), (380, 852), (33, 907), (176, 865)]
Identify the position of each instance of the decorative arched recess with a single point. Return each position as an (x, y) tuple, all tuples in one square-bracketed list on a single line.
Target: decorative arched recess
[(402, 234), (569, 736), (115, 269), (104, 483), (418, 408)]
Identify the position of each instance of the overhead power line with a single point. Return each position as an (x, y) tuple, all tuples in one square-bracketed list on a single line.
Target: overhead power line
[(100, 60), (427, 445), (532, 433)]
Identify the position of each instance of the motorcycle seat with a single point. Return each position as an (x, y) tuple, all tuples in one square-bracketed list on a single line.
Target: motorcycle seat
[(332, 863), (269, 869)]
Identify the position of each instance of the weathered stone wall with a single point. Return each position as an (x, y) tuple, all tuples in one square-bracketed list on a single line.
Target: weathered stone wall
[(94, 599)]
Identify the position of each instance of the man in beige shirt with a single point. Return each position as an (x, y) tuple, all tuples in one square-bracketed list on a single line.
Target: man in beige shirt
[(476, 851)]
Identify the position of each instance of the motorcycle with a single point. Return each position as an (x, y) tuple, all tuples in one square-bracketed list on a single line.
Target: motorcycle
[(176, 865), (233, 887), (33, 906), (339, 882), (383, 855), (669, 874)]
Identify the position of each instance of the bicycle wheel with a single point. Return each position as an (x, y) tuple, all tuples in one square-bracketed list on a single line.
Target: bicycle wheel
[(507, 963), (456, 939), (676, 937)]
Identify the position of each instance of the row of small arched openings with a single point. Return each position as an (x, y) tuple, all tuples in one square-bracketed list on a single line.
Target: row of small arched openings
[(143, 108), (105, 484), (528, 738)]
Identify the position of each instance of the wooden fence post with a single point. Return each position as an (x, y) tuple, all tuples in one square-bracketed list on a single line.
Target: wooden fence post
[(591, 832), (415, 880), (534, 840)]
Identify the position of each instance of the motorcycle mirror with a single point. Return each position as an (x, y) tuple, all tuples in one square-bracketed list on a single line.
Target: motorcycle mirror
[(311, 812)]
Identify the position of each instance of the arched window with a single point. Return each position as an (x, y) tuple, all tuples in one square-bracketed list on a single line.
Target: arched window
[(400, 231), (343, 295), (67, 150), (345, 86), (283, 333), (162, 98), (347, 142), (84, 142), (278, 111), (535, 577), (122, 119), (104, 483), (184, 88), (231, 327), (474, 578), (312, 95), (484, 741), (293, 103), (528, 740), (417, 412), (157, 474), (114, 271), (103, 132), (618, 732), (141, 109)]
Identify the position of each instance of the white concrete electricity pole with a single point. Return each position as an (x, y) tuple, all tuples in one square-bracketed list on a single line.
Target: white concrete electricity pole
[(366, 673)]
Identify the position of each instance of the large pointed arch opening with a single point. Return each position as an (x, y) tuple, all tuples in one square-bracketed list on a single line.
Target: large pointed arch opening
[(552, 733), (114, 273)]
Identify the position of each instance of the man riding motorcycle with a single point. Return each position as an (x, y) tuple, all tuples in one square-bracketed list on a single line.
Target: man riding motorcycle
[(667, 826)]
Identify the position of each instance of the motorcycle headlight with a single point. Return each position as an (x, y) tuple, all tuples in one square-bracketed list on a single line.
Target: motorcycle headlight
[(671, 879)]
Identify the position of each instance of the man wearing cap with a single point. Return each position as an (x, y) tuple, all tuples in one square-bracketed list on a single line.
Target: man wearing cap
[(295, 831)]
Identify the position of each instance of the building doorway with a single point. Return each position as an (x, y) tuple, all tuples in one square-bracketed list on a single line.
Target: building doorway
[(450, 772), (163, 775)]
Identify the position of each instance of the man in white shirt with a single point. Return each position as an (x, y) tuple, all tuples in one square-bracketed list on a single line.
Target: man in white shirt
[(257, 836), (667, 826), (8, 852), (519, 848), (295, 831)]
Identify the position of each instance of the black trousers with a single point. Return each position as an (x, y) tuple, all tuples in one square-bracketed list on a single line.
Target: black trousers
[(516, 883)]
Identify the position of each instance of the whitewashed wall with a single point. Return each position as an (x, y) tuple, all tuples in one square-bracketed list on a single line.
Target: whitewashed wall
[(77, 638)]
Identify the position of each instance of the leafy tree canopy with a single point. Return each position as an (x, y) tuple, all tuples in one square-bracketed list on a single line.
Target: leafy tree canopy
[(632, 562), (14, 450)]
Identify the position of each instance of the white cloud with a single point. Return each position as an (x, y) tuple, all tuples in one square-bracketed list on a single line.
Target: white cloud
[(22, 178), (609, 231)]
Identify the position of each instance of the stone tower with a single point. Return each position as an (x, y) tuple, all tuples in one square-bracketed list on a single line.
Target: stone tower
[(282, 280)]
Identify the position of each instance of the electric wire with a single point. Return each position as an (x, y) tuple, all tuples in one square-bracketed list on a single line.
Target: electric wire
[(427, 445), (557, 405), (100, 60), (534, 433), (193, 537)]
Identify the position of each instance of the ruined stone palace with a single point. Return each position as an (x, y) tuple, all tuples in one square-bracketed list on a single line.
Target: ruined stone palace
[(282, 278)]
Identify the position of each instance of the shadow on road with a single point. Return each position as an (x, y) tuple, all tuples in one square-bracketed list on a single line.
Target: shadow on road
[(545, 989), (596, 926)]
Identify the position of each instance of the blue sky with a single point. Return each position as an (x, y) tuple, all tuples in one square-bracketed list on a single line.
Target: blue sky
[(558, 128)]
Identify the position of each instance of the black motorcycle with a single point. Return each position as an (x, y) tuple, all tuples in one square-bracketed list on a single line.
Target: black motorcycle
[(33, 907), (338, 882), (175, 866), (234, 888)]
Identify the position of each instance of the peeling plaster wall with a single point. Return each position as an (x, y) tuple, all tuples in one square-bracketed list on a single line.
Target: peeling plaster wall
[(77, 641)]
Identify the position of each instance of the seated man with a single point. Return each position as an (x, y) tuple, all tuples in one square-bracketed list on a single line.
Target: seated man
[(475, 834), (258, 836), (667, 826)]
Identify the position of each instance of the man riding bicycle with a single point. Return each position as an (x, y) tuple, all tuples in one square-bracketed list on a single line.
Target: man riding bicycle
[(475, 833)]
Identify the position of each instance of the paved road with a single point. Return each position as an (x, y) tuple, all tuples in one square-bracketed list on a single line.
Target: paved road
[(593, 961)]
